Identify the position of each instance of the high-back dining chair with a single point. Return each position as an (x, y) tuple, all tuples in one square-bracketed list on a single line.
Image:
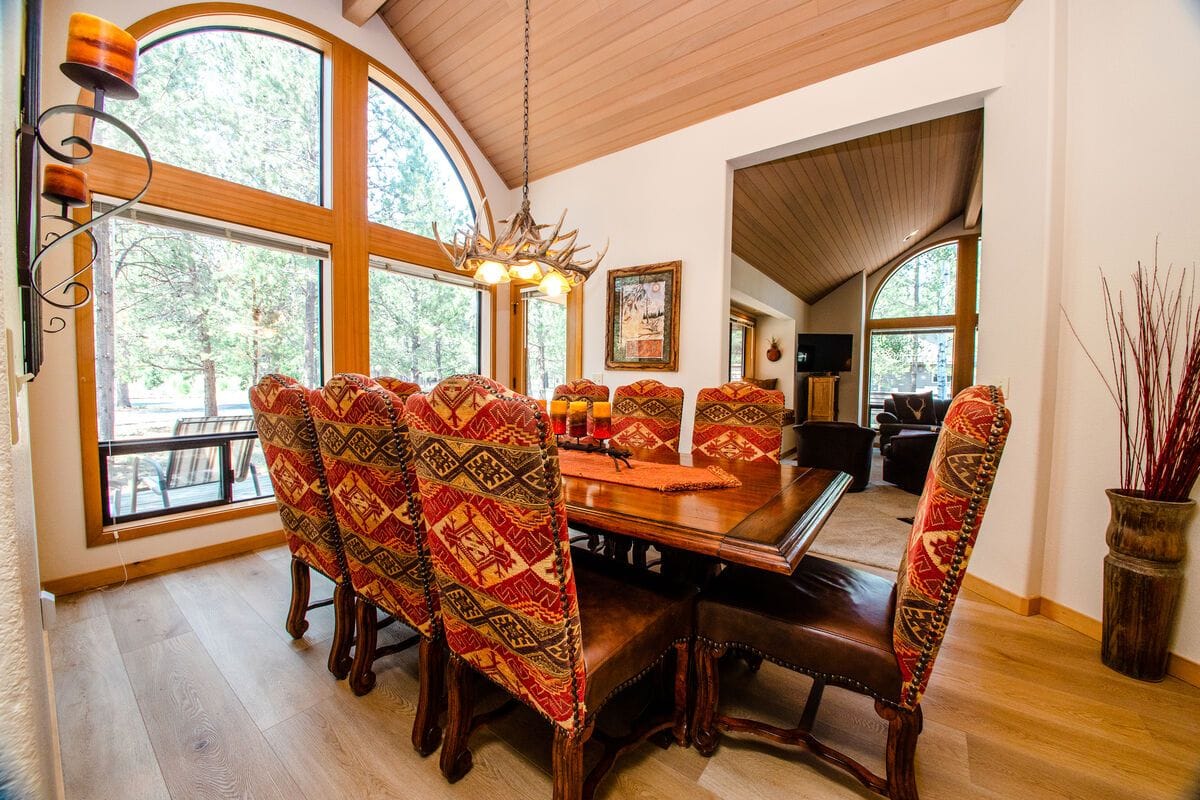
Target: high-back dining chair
[(514, 607), (646, 414), (582, 389), (284, 420), (398, 386), (852, 628), (362, 433), (739, 422)]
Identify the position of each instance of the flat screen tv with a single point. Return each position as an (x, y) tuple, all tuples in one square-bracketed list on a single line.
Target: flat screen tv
[(824, 352)]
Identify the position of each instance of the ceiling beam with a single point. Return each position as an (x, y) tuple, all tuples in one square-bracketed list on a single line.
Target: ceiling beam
[(359, 11), (975, 195)]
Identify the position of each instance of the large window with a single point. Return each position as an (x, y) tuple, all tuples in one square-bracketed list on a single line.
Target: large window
[(186, 319), (411, 182), (741, 344), (423, 328), (246, 241), (240, 105), (922, 324), (545, 343)]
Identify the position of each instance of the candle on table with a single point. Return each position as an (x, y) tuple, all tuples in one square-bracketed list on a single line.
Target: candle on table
[(558, 416), (577, 418), (541, 403), (600, 424)]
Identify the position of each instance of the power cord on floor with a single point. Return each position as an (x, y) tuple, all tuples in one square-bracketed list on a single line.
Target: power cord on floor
[(124, 568)]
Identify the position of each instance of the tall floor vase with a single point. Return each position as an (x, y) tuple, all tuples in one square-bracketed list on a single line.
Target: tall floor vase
[(1143, 579)]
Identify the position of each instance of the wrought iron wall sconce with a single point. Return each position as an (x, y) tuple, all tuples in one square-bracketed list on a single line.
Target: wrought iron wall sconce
[(101, 58)]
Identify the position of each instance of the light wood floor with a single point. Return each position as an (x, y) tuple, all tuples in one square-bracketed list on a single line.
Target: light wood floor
[(186, 686)]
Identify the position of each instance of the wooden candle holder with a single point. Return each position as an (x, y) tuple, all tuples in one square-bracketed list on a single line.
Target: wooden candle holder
[(66, 186)]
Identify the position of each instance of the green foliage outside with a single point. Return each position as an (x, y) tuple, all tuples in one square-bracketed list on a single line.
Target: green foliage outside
[(411, 183), (237, 105), (545, 344), (422, 330), (192, 318), (923, 287)]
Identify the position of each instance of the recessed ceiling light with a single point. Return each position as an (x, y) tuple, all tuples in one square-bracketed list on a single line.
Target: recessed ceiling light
[(912, 233)]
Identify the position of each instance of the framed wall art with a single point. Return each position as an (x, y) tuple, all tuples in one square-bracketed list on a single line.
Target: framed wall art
[(643, 317)]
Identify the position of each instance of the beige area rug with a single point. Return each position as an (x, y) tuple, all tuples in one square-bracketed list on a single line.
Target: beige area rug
[(864, 528)]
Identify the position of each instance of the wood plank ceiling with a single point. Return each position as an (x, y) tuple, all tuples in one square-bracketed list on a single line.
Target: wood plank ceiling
[(812, 220), (609, 74)]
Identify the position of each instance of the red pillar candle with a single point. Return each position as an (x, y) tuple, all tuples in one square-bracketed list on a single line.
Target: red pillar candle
[(558, 416), (541, 403), (577, 418), (600, 424)]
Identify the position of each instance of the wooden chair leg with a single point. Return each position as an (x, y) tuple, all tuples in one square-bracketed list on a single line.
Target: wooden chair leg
[(427, 733), (903, 729), (343, 630), (456, 756), (568, 761), (683, 665), (362, 678), (704, 729), (296, 623)]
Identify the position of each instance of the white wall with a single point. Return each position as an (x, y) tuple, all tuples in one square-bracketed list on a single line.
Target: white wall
[(781, 315), (671, 198), (28, 752), (54, 396), (1131, 174), (842, 311)]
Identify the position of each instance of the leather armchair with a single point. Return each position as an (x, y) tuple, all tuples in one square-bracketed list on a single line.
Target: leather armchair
[(890, 424), (906, 458), (837, 445)]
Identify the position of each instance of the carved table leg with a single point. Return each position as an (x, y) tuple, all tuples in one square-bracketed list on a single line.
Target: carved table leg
[(704, 729)]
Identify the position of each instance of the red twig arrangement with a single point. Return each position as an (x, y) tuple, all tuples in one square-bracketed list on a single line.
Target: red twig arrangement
[(1154, 379)]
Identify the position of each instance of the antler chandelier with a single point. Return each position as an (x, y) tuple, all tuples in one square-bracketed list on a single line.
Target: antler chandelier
[(526, 250)]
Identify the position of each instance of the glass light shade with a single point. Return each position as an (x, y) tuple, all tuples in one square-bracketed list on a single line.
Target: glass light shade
[(554, 285), (492, 272), (525, 270)]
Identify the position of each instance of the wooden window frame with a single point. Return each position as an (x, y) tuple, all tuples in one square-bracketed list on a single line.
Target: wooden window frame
[(516, 340), (341, 223), (962, 322), (743, 318)]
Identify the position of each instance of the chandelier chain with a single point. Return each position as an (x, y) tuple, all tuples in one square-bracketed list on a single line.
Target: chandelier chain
[(525, 122)]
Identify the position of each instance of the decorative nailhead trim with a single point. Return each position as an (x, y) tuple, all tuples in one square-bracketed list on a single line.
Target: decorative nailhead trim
[(983, 481), (828, 677), (413, 497), (319, 465)]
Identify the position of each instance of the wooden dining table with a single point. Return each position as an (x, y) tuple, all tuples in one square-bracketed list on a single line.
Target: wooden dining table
[(769, 522)]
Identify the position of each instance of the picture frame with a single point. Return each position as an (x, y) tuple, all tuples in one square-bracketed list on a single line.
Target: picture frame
[(642, 330)]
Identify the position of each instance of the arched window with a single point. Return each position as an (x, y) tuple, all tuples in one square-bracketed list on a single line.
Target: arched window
[(411, 181), (923, 286), (247, 245), (922, 322), (237, 104)]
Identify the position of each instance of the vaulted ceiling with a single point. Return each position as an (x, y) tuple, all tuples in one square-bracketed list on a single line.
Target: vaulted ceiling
[(812, 220), (608, 74)]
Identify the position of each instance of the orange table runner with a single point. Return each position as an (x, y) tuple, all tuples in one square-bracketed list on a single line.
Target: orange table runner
[(645, 474)]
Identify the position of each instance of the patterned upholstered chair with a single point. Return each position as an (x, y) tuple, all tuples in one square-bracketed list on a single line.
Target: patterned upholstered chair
[(646, 415), (853, 628), (397, 386), (582, 389), (739, 422), (285, 428), (514, 607), (363, 438)]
